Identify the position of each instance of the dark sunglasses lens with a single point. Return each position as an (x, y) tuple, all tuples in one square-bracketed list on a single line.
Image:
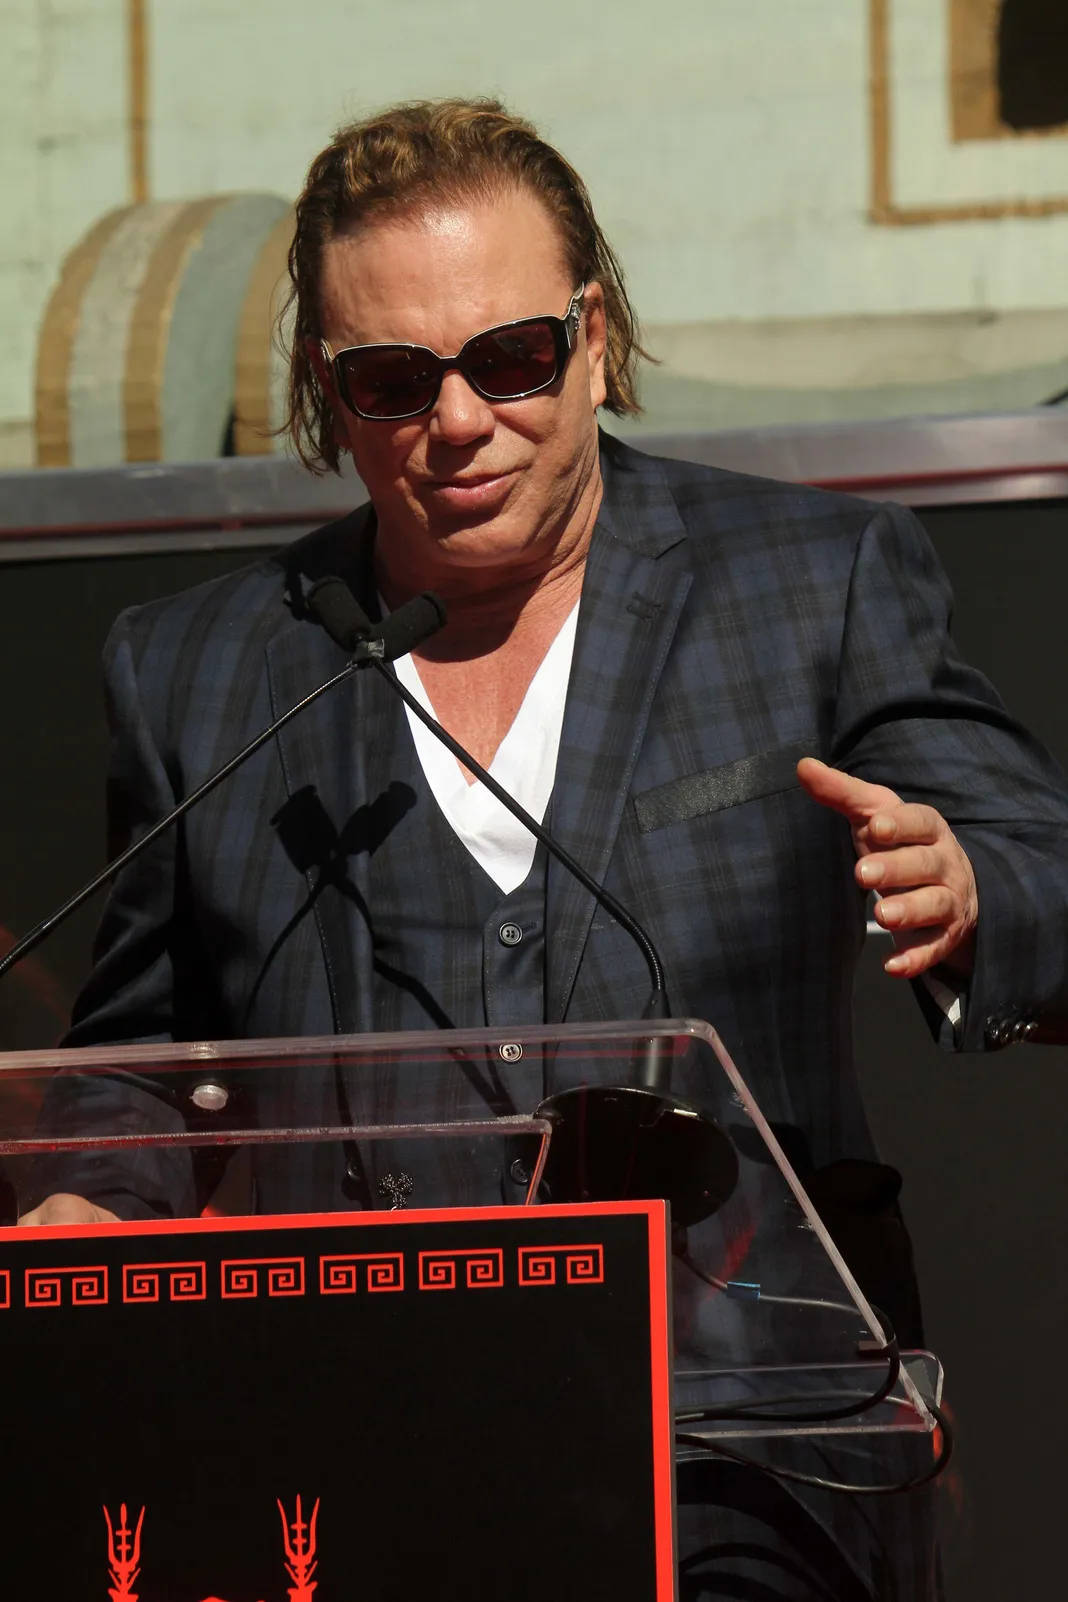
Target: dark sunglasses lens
[(506, 362), (389, 380)]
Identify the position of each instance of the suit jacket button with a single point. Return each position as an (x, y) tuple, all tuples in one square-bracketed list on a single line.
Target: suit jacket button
[(997, 1032)]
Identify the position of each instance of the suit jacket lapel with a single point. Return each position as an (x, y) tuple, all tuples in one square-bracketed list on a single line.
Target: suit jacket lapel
[(325, 756), (637, 578)]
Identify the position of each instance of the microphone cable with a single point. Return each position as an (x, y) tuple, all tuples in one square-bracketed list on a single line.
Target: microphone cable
[(860, 1403)]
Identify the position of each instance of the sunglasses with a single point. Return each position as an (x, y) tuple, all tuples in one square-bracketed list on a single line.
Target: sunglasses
[(386, 383)]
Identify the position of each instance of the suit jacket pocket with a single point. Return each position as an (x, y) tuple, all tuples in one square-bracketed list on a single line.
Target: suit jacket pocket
[(767, 773)]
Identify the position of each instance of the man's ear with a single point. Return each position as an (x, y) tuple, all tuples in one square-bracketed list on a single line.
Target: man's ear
[(313, 349), (596, 330)]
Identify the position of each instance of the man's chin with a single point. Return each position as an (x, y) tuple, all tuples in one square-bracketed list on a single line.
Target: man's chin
[(485, 541)]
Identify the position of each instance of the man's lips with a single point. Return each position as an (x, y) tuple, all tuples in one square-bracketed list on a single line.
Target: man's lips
[(470, 490)]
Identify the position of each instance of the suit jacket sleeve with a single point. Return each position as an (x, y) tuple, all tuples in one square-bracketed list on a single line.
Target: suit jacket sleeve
[(150, 981), (911, 715), (136, 989)]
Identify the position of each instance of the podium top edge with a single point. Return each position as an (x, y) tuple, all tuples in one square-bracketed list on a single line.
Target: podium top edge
[(125, 1056)]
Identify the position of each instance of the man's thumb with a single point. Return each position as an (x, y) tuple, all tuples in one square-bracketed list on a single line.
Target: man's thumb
[(855, 799)]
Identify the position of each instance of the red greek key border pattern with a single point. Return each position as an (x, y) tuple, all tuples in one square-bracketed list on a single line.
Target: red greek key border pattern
[(243, 1278), (575, 1265), (173, 1282), (339, 1274), (344, 1273), (74, 1287), (481, 1268)]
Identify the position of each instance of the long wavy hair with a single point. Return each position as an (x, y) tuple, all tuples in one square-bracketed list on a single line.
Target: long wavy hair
[(432, 152)]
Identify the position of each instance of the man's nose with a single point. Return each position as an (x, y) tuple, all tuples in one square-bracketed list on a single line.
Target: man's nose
[(460, 414)]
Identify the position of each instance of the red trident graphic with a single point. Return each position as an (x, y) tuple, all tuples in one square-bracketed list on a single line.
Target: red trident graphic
[(124, 1556), (301, 1561)]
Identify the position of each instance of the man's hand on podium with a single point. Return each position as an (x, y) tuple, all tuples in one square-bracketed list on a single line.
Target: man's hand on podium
[(910, 857), (65, 1209)]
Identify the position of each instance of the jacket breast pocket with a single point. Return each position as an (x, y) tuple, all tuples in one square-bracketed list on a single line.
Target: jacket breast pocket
[(696, 794)]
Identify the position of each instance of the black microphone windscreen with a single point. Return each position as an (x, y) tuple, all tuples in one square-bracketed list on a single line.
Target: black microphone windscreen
[(340, 613), (410, 624)]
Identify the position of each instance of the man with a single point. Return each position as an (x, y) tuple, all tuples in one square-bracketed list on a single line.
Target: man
[(763, 717)]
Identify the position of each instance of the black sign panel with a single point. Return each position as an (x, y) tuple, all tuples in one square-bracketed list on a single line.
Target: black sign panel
[(357, 1408)]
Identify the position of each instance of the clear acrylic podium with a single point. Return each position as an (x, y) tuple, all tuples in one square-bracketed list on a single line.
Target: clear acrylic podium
[(768, 1320)]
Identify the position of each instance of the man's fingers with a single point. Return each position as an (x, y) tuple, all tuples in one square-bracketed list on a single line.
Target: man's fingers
[(911, 859), (855, 799), (930, 907), (908, 865), (917, 952), (907, 823)]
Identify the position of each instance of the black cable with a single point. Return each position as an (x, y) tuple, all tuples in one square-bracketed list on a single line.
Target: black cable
[(755, 1414), (745, 1410), (795, 1476)]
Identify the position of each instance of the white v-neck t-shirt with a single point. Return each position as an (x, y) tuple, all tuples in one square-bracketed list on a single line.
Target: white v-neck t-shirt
[(524, 764)]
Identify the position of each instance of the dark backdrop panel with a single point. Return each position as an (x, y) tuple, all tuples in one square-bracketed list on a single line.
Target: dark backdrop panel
[(54, 618), (979, 1139), (1008, 565)]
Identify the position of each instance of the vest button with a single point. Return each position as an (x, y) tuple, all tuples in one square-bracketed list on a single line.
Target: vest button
[(510, 934)]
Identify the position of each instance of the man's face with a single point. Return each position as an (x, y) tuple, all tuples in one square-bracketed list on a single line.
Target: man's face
[(471, 483)]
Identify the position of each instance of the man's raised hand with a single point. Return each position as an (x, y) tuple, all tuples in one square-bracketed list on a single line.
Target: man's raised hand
[(910, 857)]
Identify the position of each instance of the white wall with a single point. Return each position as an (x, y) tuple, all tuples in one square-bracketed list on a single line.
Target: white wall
[(726, 142), (62, 164)]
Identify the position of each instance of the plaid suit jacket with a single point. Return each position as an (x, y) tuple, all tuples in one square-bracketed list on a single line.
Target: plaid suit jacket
[(727, 626)]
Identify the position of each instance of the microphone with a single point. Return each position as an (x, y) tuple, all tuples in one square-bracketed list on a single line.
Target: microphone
[(411, 624), (348, 625), (404, 628), (608, 1142)]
